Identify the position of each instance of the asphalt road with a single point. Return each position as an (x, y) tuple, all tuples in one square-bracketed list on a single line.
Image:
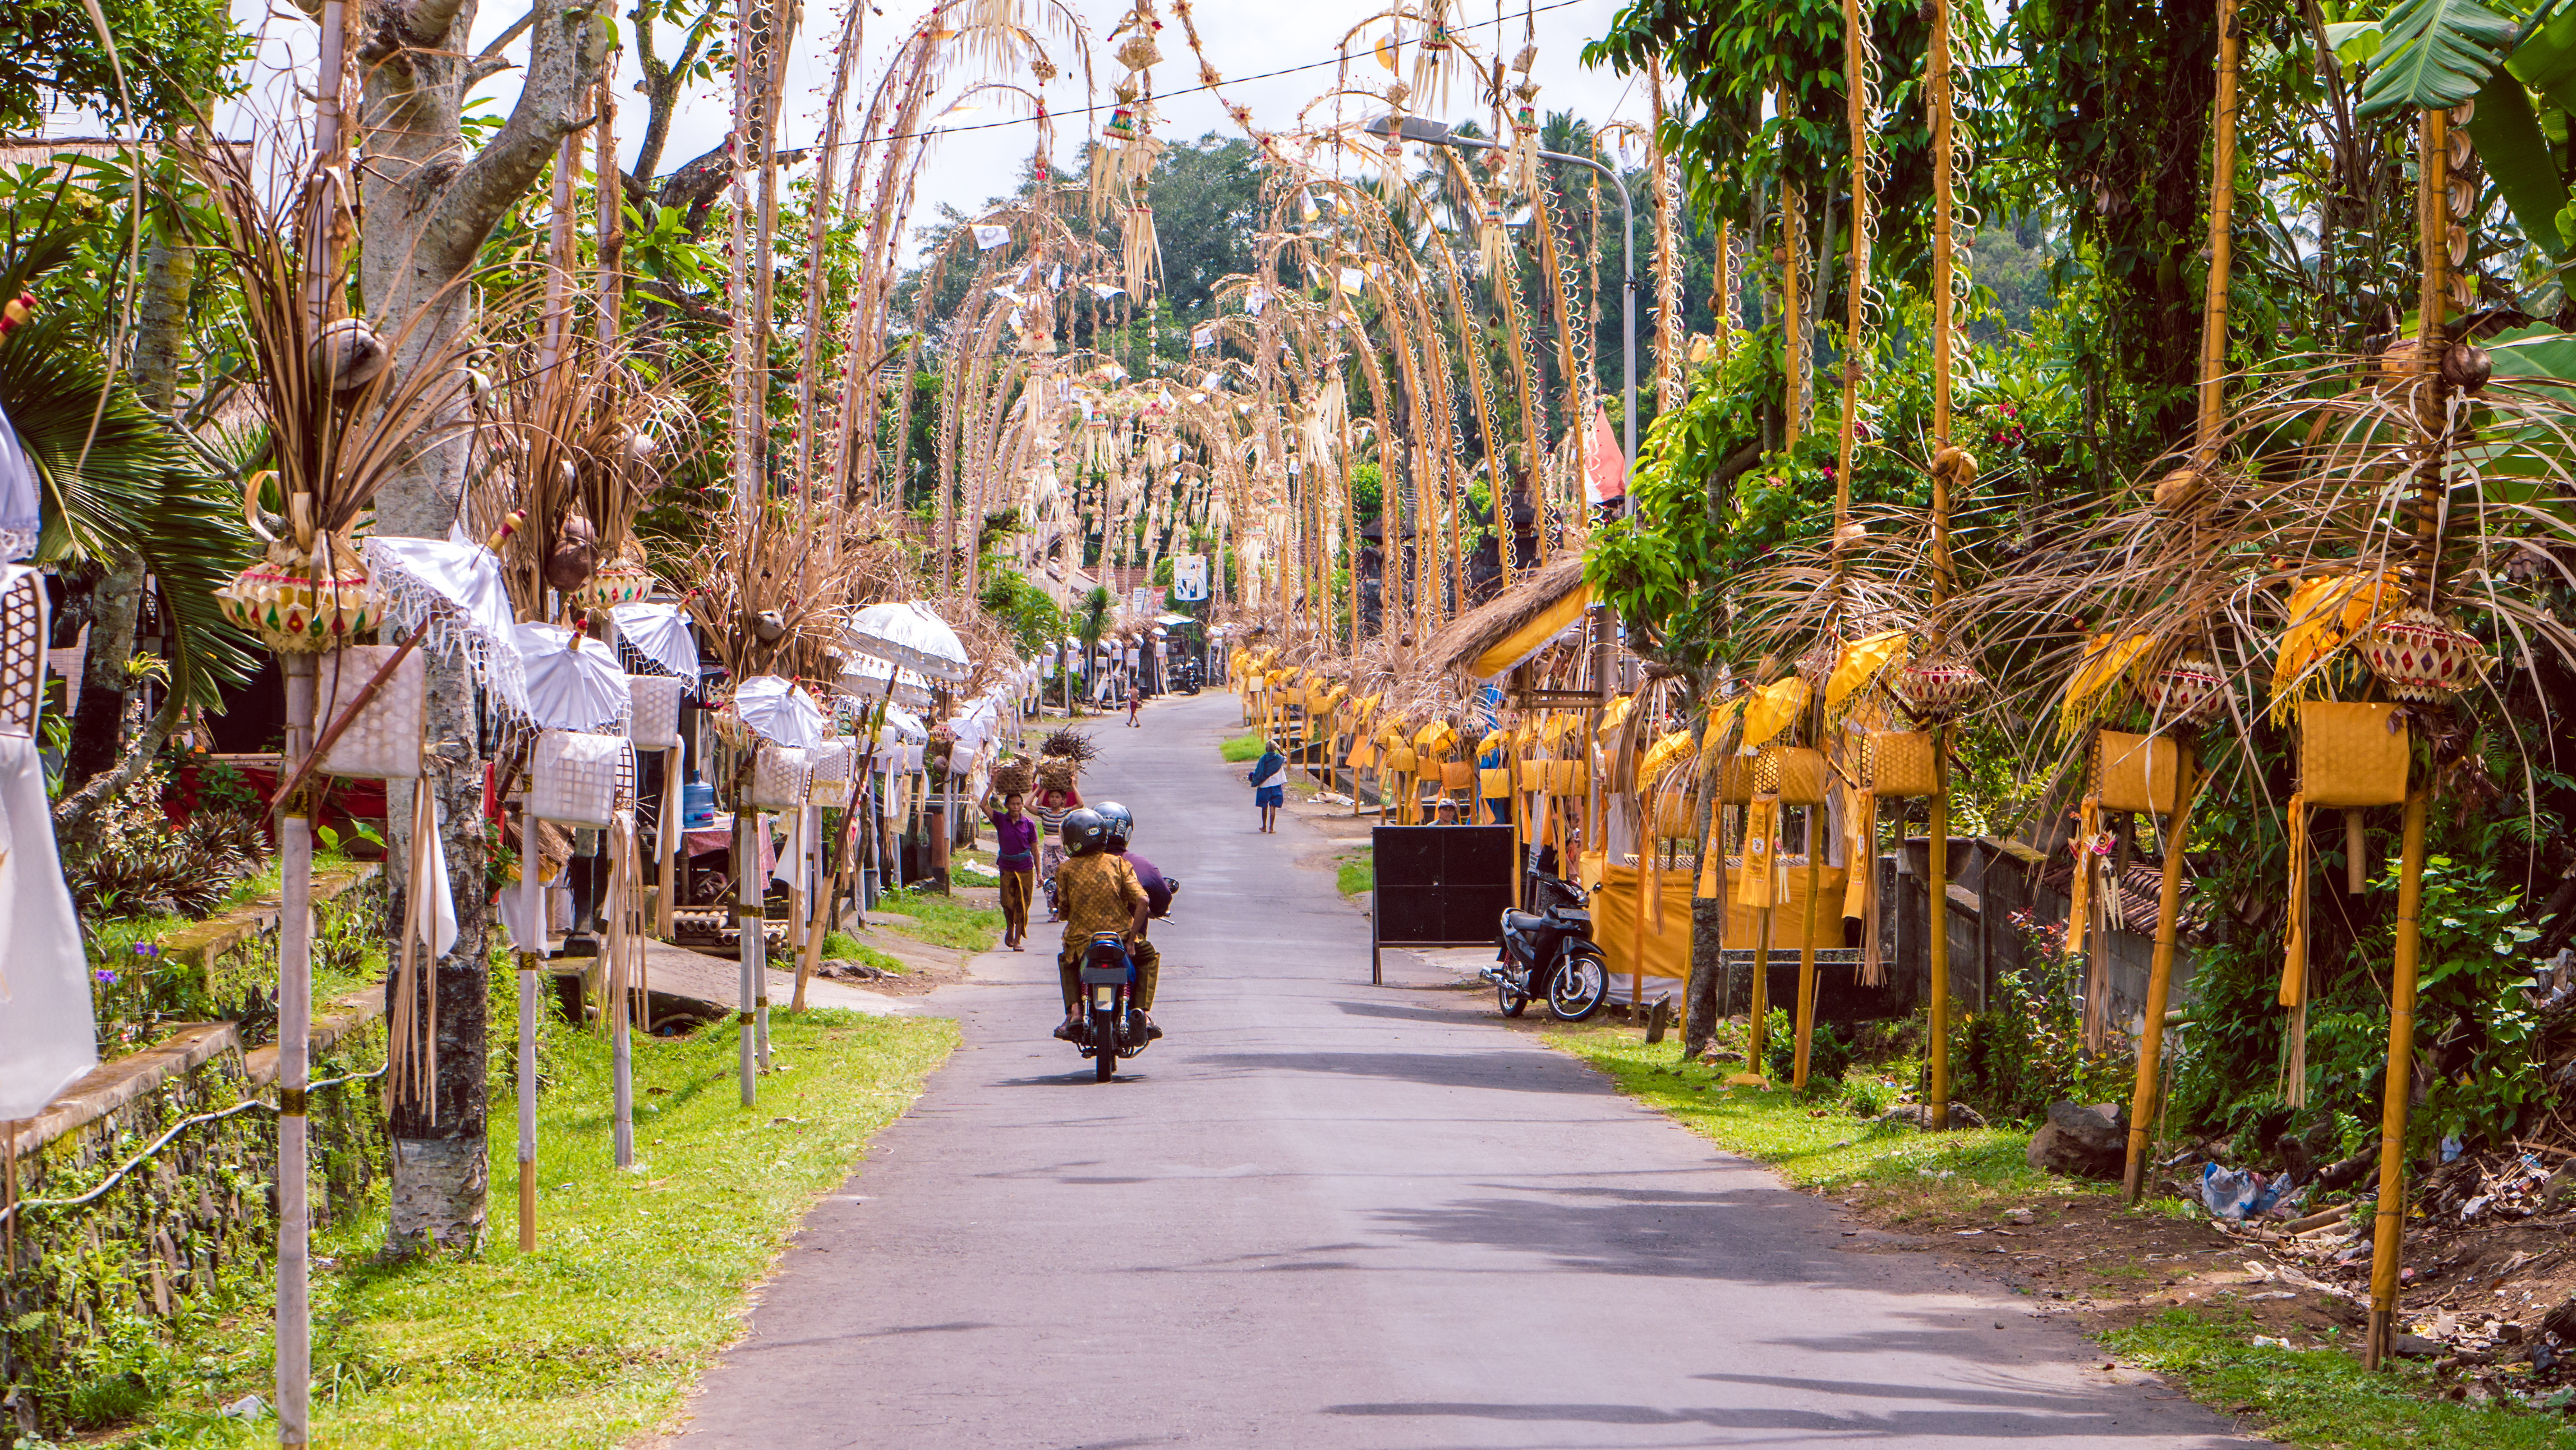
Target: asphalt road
[(1325, 1214)]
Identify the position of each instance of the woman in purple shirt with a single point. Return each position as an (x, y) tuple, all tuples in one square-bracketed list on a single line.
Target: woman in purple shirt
[(1015, 855)]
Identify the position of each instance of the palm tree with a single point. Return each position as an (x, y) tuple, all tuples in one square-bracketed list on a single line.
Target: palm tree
[(1090, 621), (115, 481)]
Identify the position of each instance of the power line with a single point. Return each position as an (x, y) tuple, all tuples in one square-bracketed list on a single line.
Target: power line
[(1191, 90)]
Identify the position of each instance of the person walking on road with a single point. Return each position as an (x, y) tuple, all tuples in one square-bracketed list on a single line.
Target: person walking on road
[(1270, 786), (1054, 804), (1135, 701), (1015, 855)]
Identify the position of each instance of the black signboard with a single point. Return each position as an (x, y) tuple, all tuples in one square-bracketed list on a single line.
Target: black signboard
[(1438, 886)]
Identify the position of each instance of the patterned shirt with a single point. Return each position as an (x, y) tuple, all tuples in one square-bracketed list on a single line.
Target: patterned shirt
[(1097, 893)]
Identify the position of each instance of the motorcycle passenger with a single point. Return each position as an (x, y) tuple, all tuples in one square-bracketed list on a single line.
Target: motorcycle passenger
[(1119, 824), (1096, 892)]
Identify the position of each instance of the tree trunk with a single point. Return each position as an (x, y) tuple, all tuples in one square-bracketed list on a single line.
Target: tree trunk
[(427, 214), (98, 726)]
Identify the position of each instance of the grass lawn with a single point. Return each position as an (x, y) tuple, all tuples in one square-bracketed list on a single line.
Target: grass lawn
[(943, 921), (1359, 873), (1242, 748), (842, 946), (2324, 1396), (1821, 1142), (638, 1279)]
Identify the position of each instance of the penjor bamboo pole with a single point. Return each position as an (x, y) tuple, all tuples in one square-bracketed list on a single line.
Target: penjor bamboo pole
[(1937, 878), (2388, 1225), (2388, 1236), (532, 907), (2142, 1101), (294, 1069), (2213, 366)]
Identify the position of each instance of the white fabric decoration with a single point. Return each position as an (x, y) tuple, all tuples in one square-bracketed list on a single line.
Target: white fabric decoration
[(456, 590), (989, 235), (573, 683), (577, 777), (779, 712), (655, 722), (911, 635), (47, 1037), (22, 517), (831, 764), (659, 633), (382, 741)]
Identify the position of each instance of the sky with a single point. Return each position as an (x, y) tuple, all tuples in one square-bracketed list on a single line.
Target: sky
[(970, 166)]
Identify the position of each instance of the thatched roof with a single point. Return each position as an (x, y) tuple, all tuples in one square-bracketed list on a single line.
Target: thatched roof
[(1462, 641)]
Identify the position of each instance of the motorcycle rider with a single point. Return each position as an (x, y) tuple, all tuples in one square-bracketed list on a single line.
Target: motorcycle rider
[(1096, 892), (1118, 826)]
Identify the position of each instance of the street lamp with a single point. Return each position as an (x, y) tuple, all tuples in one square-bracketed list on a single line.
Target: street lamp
[(1442, 133)]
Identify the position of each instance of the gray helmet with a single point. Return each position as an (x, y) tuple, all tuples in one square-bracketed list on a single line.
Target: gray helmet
[(1118, 824), (1083, 831)]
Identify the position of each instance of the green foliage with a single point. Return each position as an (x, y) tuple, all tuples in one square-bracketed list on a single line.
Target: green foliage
[(2483, 1039), (1033, 618), (176, 56), (2025, 1051), (1356, 875), (1828, 1054), (942, 920), (2433, 53), (841, 946), (1241, 748)]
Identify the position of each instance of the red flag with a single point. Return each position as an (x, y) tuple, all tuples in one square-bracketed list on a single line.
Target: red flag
[(1608, 478)]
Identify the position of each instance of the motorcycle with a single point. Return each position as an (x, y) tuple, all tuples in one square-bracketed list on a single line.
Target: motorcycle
[(1187, 678), (1549, 954), (1109, 1030)]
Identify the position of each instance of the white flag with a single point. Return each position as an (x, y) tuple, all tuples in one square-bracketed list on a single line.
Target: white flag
[(989, 235), (1203, 339)]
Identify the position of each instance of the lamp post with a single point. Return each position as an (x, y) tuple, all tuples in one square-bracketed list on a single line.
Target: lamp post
[(1442, 133)]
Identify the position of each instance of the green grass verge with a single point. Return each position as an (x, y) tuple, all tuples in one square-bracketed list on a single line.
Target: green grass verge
[(1828, 1141), (943, 921), (638, 1279), (842, 946), (2324, 1396), (1358, 873), (1242, 748)]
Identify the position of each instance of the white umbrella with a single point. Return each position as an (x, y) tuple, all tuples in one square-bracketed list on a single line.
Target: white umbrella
[(660, 634), (780, 713), (456, 591), (910, 635), (874, 679), (574, 683), (904, 724)]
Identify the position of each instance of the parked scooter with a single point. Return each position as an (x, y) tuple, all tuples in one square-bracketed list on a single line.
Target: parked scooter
[(1549, 955)]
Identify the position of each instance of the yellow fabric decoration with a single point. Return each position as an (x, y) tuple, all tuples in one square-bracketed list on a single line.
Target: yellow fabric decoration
[(1860, 662), (1664, 754), (1720, 717), (1516, 648), (2106, 659), (2079, 922), (2326, 611), (2294, 963), (1761, 829), (1614, 716), (1774, 708)]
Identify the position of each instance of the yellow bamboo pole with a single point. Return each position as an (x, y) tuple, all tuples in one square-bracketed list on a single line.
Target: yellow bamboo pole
[(2142, 1101), (1937, 879), (2222, 205), (1806, 1011), (2388, 1226)]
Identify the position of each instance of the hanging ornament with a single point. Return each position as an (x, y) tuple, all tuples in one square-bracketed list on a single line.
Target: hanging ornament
[(1524, 167), (1936, 688), (1141, 252), (304, 600), (2186, 690), (1122, 124), (2419, 655)]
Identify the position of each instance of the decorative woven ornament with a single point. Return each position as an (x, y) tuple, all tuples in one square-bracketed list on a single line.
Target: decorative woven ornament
[(1122, 124), (779, 779), (1817, 665), (381, 740), (829, 766), (653, 721), (623, 582), (1138, 51), (576, 778), (1937, 688), (22, 649), (2187, 690), (2420, 655), (297, 606)]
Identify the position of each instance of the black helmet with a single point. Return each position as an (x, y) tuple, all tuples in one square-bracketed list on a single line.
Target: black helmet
[(1082, 831), (1118, 824)]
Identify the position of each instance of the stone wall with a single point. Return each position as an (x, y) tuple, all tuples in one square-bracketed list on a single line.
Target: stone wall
[(90, 1293)]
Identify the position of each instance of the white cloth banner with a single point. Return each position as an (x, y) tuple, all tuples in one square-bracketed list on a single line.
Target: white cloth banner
[(989, 235), (47, 1037)]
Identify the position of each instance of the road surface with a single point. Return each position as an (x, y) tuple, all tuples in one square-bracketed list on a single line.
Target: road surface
[(1320, 1214)]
